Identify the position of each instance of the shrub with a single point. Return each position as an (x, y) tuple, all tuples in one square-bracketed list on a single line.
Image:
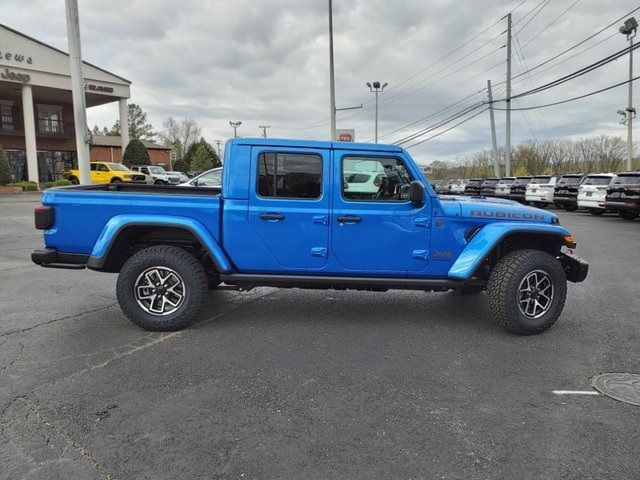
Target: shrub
[(63, 182), (136, 154), (5, 169), (25, 186), (45, 185)]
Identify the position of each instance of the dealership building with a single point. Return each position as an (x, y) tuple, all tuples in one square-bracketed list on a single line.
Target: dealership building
[(36, 110)]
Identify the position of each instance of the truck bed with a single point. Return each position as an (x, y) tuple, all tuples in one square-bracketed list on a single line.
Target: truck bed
[(85, 210)]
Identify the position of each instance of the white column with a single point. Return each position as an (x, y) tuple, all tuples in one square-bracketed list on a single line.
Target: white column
[(30, 133), (124, 123)]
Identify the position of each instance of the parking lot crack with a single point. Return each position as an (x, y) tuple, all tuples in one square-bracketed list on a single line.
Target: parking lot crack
[(17, 357), (67, 317), (66, 438)]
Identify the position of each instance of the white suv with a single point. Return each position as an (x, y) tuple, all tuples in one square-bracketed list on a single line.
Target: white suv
[(592, 193), (503, 187), (159, 175), (540, 190), (457, 186)]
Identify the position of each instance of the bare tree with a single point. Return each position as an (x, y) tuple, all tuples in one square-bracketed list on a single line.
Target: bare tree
[(180, 135)]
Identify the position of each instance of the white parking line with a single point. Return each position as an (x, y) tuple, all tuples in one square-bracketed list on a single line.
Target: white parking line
[(576, 392)]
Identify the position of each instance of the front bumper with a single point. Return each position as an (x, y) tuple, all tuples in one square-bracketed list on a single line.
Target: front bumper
[(575, 268), (51, 258)]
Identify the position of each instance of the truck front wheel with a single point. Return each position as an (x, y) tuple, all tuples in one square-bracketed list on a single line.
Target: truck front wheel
[(526, 291), (161, 288)]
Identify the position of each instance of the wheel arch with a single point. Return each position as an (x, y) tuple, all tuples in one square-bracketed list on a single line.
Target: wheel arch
[(123, 235), (494, 241)]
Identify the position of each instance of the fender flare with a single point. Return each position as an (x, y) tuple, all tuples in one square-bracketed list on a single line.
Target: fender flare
[(491, 235), (116, 224)]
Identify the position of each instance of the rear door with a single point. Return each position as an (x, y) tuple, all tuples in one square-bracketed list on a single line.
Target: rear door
[(378, 230), (289, 205)]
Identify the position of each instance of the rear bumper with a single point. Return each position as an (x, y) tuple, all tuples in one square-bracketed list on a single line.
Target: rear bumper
[(50, 258), (592, 204), (622, 206), (565, 200), (575, 268), (518, 197)]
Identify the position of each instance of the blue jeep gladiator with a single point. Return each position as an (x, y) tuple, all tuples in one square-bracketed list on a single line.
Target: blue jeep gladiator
[(309, 214)]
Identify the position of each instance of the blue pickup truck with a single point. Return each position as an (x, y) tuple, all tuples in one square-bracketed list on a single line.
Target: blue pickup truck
[(309, 214)]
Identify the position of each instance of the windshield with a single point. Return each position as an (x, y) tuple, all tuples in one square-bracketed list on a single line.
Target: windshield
[(474, 183), (541, 178), (506, 181), (357, 177), (118, 167), (157, 170), (597, 181), (627, 180), (491, 181)]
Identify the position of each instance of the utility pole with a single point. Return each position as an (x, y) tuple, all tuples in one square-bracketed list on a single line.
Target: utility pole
[(508, 132), (235, 126), (376, 88), (629, 29), (264, 130), (494, 142), (332, 86), (219, 152), (77, 91)]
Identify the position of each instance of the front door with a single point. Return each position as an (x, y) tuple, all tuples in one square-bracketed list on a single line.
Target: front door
[(375, 228), (289, 206)]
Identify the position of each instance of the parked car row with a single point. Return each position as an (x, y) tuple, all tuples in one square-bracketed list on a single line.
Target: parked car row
[(596, 192)]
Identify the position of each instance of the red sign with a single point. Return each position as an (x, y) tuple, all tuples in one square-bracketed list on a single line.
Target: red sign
[(345, 137)]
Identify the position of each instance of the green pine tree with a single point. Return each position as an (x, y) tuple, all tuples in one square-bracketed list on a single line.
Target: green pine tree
[(188, 157), (136, 154), (180, 166), (5, 168), (201, 160)]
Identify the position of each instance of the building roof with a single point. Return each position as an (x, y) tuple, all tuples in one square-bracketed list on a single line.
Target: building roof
[(60, 51), (115, 141)]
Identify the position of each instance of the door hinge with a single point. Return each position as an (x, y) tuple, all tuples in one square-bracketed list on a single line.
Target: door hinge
[(422, 222), (321, 219), (319, 252), (421, 254)]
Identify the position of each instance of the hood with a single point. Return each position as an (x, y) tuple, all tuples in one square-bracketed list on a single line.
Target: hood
[(494, 209)]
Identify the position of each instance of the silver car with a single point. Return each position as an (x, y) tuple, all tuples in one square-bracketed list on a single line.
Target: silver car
[(210, 178)]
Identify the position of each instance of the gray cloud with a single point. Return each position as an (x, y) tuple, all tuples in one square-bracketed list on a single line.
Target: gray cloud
[(267, 61)]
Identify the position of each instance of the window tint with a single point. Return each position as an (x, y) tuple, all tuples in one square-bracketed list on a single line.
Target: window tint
[(597, 181), (390, 179), (102, 168), (289, 175), (627, 180), (94, 167)]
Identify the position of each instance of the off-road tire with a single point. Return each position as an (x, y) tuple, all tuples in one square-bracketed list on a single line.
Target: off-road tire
[(184, 264), (159, 182), (539, 204), (628, 215), (116, 180), (570, 208), (503, 290)]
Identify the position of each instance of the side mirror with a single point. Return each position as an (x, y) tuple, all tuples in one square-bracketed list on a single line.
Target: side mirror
[(416, 192)]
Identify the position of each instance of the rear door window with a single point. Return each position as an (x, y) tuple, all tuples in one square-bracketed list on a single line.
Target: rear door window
[(289, 175)]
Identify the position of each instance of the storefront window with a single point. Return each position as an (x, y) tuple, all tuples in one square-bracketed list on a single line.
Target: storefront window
[(51, 164), (18, 163)]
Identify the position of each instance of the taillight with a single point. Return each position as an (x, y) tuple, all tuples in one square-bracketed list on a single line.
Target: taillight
[(43, 217)]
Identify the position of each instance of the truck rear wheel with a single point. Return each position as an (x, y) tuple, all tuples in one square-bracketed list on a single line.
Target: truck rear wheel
[(161, 288), (628, 215), (526, 291)]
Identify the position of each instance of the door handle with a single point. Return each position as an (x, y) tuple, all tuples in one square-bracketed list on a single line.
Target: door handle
[(271, 216), (349, 219)]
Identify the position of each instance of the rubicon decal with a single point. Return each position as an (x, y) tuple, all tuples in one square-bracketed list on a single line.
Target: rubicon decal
[(512, 215)]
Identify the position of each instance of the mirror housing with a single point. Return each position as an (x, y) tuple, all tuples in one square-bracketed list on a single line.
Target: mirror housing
[(416, 192)]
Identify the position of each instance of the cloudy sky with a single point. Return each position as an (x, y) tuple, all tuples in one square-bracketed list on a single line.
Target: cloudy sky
[(266, 62)]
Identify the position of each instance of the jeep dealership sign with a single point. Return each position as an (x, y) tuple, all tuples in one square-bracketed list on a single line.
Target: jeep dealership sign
[(346, 135)]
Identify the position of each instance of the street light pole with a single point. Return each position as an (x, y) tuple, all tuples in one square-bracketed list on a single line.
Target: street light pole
[(235, 126), (629, 29), (508, 99), (77, 91), (332, 86), (264, 130), (376, 88)]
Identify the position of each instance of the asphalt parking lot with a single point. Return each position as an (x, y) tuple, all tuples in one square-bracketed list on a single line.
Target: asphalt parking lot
[(299, 384)]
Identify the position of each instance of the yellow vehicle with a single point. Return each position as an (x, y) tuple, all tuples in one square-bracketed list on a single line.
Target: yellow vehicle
[(106, 172)]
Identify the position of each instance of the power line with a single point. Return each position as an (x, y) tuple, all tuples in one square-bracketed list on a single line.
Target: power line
[(576, 98), (448, 129), (551, 24), (544, 4)]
